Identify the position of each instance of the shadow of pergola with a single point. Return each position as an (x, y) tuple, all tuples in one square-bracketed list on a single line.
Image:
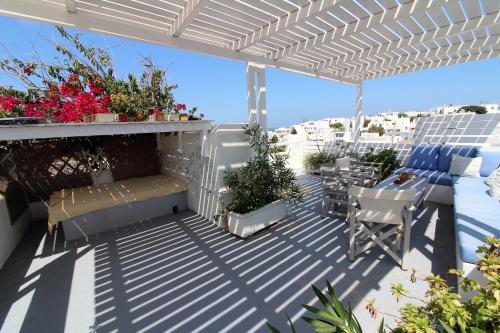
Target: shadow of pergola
[(181, 273)]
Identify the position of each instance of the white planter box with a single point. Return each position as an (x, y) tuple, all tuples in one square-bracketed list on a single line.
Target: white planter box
[(245, 225)]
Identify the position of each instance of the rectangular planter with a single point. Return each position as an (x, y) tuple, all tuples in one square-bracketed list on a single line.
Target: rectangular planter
[(245, 225), (100, 118)]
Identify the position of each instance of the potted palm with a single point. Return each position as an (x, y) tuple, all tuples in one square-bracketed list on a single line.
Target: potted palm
[(260, 190)]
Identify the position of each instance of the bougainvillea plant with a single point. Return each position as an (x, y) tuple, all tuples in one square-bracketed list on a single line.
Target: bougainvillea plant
[(82, 82)]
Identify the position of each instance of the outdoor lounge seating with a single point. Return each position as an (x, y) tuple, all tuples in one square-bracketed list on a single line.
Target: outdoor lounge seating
[(91, 209), (476, 212)]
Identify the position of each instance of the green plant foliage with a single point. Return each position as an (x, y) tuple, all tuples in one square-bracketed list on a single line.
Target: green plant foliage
[(442, 310), (264, 179), (377, 129), (388, 158), (478, 109), (312, 161), (337, 126), (277, 149)]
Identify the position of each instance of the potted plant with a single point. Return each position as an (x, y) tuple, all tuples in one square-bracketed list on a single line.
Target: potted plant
[(260, 190)]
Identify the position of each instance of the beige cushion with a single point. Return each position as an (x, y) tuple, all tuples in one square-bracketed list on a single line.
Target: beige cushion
[(465, 166)]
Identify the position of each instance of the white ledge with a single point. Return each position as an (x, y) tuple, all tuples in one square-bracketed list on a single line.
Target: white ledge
[(64, 130)]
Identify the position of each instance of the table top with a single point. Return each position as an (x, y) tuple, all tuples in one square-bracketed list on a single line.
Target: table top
[(419, 184)]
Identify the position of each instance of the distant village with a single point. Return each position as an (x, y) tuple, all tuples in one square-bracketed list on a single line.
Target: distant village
[(385, 127)]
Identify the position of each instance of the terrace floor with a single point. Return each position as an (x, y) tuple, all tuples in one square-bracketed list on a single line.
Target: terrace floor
[(181, 273)]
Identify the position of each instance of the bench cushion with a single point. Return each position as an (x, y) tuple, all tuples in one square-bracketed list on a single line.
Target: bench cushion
[(68, 203), (434, 176), (491, 160), (424, 157), (476, 215), (447, 151)]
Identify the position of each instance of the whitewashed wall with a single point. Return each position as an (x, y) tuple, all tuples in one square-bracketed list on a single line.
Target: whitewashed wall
[(10, 235), (225, 148)]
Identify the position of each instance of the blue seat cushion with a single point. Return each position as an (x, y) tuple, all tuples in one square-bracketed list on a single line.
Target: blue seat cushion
[(491, 160), (435, 177), (447, 152), (476, 215), (424, 157)]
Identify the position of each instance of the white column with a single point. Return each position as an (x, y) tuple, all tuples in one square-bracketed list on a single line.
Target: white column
[(262, 107), (252, 102), (357, 116)]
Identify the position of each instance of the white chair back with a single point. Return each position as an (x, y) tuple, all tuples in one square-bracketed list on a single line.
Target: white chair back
[(381, 206)]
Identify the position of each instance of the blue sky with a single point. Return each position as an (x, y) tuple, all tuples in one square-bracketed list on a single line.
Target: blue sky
[(218, 86)]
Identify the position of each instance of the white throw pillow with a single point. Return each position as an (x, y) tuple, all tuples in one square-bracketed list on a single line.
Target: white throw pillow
[(465, 166), (493, 178), (495, 190), (343, 163)]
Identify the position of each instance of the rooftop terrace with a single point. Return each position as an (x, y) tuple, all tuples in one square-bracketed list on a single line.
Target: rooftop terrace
[(184, 274)]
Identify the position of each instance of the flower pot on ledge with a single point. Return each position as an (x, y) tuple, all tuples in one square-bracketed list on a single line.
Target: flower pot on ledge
[(173, 117), (107, 117), (245, 225), (183, 117), (122, 118)]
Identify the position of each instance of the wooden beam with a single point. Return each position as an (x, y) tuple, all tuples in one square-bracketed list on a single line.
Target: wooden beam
[(311, 9), (190, 11)]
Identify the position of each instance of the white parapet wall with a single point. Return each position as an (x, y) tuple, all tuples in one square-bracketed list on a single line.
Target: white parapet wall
[(202, 159), (10, 234)]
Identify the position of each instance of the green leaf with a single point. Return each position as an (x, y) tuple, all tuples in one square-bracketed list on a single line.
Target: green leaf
[(321, 325), (446, 327), (477, 330), (272, 328), (381, 328)]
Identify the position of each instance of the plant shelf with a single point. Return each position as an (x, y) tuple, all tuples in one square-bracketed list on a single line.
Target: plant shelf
[(64, 130)]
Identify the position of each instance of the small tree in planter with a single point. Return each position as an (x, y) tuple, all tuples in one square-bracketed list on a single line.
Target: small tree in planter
[(259, 189)]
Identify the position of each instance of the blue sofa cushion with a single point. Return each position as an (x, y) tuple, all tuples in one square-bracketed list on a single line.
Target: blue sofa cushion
[(476, 215), (491, 160), (447, 152), (424, 157), (435, 177)]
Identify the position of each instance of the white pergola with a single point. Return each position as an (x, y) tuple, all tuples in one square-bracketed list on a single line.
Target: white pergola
[(347, 41)]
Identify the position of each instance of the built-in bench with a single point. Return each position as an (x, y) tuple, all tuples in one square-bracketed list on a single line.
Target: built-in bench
[(91, 209), (476, 212)]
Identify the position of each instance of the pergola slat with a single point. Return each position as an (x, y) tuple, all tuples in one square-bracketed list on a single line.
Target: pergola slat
[(344, 40)]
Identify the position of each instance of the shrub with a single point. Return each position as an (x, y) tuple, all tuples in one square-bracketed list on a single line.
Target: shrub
[(277, 149), (478, 109), (337, 126), (442, 310), (388, 158), (313, 161), (264, 179), (376, 129)]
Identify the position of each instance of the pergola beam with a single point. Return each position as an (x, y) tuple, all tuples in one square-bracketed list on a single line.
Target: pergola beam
[(54, 13), (356, 28), (312, 8), (444, 32), (190, 11)]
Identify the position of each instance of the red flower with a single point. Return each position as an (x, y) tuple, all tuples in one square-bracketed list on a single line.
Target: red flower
[(95, 88), (28, 71), (8, 103), (180, 106)]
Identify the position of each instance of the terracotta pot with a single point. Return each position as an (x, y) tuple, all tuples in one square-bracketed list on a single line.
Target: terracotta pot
[(183, 117), (159, 116)]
